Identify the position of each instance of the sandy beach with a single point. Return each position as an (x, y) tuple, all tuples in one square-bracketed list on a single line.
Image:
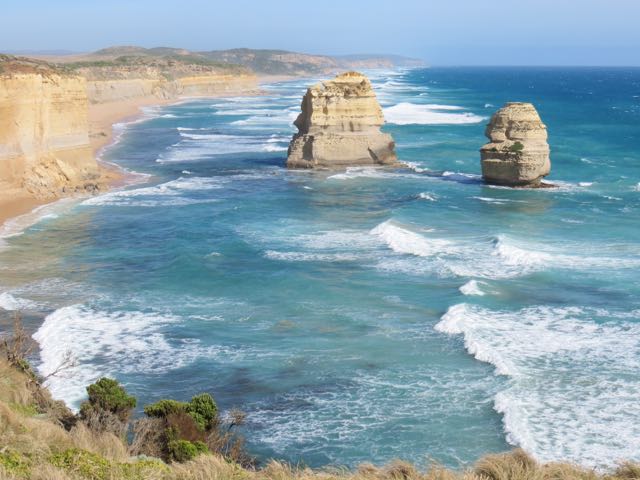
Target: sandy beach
[(15, 202)]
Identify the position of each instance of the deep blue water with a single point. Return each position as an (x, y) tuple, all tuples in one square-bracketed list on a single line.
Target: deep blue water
[(368, 314)]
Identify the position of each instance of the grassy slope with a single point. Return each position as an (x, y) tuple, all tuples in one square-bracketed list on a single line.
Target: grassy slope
[(33, 445)]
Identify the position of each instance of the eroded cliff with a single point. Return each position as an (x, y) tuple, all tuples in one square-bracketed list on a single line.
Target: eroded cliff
[(44, 137), (163, 77)]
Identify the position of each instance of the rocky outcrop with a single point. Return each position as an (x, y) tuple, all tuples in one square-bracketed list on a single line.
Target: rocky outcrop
[(44, 135), (517, 153), (340, 126)]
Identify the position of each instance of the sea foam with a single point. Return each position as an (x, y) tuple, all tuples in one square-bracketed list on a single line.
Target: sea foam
[(472, 287), (172, 193), (571, 394), (11, 302), (410, 113), (402, 240), (113, 343)]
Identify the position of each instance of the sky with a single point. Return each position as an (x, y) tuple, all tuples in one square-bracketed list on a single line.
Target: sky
[(442, 32)]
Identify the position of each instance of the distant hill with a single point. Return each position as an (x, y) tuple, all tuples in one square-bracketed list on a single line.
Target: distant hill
[(282, 62), (264, 62), (10, 64)]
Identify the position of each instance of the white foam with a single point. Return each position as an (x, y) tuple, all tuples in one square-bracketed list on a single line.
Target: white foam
[(12, 303), (368, 172), (274, 148), (472, 287), (175, 192), (499, 201), (495, 258), (17, 225), (428, 196), (112, 343), (202, 146), (311, 256), (515, 255), (585, 184), (572, 393), (410, 113), (416, 167), (461, 177), (405, 241)]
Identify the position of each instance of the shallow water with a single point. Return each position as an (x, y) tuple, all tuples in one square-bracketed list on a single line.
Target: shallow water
[(368, 314)]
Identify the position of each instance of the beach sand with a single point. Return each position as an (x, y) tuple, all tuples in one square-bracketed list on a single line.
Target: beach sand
[(102, 117)]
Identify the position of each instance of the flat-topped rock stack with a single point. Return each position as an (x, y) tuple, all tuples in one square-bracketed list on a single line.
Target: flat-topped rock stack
[(517, 154), (340, 126)]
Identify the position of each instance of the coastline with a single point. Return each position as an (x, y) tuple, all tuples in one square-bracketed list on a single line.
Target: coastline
[(16, 204)]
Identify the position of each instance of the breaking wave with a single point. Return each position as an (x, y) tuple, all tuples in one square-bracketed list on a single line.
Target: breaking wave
[(571, 393), (410, 113), (120, 342)]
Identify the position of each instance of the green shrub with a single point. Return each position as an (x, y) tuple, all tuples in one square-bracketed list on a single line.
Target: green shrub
[(203, 410), (85, 464), (184, 450), (516, 147), (164, 408), (108, 395)]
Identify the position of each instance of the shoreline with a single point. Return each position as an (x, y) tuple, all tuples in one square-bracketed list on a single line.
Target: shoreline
[(19, 210)]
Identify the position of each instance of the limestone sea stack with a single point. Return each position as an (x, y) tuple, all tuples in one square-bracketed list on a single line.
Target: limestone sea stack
[(340, 126), (517, 154)]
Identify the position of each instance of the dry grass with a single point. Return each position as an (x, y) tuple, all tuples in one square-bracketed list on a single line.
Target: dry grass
[(35, 440), (102, 443), (14, 385), (31, 436)]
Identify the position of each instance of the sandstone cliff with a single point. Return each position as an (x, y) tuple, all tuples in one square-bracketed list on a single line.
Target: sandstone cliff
[(44, 138), (340, 126), (134, 77), (115, 90), (517, 153), (47, 143)]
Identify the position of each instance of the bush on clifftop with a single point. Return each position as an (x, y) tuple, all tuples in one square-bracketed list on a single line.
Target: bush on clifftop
[(108, 408), (202, 409)]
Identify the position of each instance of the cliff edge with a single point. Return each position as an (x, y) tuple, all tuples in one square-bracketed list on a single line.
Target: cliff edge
[(340, 126), (44, 134)]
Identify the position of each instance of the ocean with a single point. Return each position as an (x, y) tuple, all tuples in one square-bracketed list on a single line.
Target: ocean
[(366, 314)]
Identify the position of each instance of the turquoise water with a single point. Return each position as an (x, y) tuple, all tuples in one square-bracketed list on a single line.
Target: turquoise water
[(368, 314)]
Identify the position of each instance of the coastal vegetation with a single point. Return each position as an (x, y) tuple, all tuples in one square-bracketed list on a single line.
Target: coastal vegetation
[(41, 439)]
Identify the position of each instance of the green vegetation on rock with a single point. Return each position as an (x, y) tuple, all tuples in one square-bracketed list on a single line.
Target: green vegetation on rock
[(516, 147)]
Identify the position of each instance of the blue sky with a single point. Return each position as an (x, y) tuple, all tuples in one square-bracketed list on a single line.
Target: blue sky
[(443, 32)]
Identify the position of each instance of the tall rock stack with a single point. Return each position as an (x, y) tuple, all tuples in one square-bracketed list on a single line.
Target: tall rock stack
[(340, 126), (517, 154)]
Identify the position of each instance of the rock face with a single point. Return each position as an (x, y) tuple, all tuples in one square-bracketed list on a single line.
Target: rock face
[(517, 153), (119, 89), (340, 126), (44, 135)]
